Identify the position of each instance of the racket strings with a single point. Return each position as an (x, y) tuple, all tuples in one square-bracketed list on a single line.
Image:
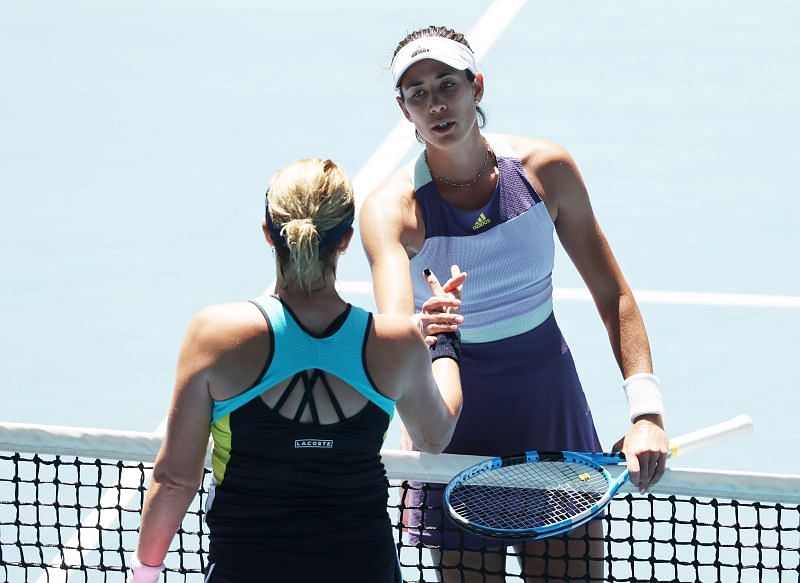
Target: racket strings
[(528, 496)]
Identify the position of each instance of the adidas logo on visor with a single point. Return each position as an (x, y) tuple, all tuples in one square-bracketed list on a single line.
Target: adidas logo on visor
[(481, 222), (419, 51)]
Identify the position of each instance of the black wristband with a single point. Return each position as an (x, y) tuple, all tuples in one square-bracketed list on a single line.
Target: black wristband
[(448, 345)]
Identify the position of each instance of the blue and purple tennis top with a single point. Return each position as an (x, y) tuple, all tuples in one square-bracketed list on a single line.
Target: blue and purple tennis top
[(506, 246)]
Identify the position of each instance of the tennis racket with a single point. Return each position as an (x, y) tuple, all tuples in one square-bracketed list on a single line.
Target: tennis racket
[(535, 495)]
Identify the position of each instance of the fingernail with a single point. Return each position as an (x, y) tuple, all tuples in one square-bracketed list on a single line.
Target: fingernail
[(427, 272)]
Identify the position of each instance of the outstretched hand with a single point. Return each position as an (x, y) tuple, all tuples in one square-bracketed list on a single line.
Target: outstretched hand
[(645, 447)]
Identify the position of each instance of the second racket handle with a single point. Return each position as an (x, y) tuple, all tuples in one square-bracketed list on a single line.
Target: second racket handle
[(739, 425)]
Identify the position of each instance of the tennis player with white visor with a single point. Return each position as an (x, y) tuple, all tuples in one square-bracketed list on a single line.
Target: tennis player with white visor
[(491, 203)]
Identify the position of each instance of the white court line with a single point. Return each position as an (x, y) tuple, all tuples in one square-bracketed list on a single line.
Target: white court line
[(88, 534), (693, 298), (642, 296), (385, 159)]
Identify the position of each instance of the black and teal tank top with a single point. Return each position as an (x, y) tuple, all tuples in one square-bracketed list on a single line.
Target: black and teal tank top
[(279, 483)]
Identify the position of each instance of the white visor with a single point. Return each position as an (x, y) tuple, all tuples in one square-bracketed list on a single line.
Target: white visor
[(440, 49)]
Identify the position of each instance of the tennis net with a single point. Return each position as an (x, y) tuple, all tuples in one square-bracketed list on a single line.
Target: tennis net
[(71, 498)]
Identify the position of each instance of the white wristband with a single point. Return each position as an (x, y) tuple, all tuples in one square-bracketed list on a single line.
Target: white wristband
[(141, 573), (644, 395)]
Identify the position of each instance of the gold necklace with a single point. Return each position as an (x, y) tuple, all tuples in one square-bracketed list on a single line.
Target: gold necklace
[(458, 184)]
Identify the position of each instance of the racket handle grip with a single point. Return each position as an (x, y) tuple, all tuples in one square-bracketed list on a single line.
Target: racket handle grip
[(739, 425)]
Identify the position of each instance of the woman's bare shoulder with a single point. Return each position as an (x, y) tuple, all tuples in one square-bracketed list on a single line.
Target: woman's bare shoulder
[(222, 324), (398, 186), (390, 211), (228, 344), (537, 151)]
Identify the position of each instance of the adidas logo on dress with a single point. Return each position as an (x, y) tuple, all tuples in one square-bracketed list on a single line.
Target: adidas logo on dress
[(481, 222)]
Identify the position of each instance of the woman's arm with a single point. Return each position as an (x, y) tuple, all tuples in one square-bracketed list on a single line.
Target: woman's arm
[(427, 395), (178, 470), (391, 232), (587, 246), (430, 399), (385, 220)]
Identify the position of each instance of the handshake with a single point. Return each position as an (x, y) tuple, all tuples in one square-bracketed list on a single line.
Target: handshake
[(439, 314)]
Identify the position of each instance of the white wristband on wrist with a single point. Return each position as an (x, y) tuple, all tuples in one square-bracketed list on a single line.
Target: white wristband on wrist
[(643, 391), (141, 573)]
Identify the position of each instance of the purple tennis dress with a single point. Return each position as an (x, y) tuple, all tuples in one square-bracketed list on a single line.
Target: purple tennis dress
[(521, 390)]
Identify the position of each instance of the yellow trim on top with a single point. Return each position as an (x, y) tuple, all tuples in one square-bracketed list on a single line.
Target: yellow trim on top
[(221, 454)]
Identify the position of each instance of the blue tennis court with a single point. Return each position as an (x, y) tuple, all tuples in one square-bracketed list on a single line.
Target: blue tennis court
[(138, 140)]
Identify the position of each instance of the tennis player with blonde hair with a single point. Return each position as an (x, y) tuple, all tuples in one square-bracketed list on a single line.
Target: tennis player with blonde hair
[(297, 388)]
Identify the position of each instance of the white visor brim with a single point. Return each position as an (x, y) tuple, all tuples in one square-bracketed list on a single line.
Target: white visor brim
[(444, 50)]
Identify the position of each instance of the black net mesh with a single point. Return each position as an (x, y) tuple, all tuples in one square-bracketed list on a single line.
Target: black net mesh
[(64, 516)]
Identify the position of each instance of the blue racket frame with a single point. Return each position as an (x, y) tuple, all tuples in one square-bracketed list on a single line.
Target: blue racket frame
[(739, 425), (595, 461)]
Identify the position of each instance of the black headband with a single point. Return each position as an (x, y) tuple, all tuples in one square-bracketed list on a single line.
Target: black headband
[(326, 239)]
